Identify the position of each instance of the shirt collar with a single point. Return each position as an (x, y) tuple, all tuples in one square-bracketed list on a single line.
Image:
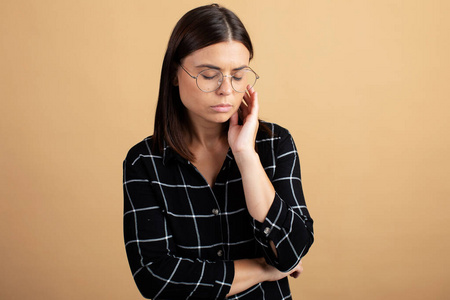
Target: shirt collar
[(171, 155)]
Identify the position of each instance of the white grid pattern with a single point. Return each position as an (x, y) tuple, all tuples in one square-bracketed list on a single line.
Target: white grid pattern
[(181, 235)]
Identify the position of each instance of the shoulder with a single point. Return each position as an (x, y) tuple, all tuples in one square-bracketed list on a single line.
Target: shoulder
[(274, 140), (142, 149), (273, 132), (274, 146)]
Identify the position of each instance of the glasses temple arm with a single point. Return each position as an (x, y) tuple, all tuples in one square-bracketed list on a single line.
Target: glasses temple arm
[(187, 72)]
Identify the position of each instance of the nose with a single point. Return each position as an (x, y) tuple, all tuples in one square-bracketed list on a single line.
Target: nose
[(225, 87)]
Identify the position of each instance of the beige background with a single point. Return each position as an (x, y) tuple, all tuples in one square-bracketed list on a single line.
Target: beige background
[(362, 85)]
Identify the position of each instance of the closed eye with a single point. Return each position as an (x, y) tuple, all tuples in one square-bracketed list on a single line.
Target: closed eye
[(209, 77), (239, 75), (209, 74)]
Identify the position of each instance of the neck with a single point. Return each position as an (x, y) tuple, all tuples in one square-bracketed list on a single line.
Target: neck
[(207, 136)]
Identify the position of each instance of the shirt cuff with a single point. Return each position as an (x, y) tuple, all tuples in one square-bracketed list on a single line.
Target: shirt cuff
[(271, 228), (222, 286)]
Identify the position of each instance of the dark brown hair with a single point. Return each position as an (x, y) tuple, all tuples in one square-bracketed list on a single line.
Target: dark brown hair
[(198, 28)]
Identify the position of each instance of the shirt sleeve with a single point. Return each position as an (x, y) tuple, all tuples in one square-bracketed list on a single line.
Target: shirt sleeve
[(288, 223), (156, 268)]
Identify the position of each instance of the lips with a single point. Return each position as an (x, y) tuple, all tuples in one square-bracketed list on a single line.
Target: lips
[(222, 108)]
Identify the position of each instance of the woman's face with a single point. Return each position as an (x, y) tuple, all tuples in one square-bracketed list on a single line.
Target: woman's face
[(215, 107)]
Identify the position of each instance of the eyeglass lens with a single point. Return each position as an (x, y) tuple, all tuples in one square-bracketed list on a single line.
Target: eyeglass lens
[(210, 80)]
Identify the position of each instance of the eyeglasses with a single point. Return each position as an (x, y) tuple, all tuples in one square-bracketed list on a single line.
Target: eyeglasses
[(210, 80)]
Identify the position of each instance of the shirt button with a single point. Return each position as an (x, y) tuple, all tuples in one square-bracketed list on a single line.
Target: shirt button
[(266, 230), (215, 211), (219, 253)]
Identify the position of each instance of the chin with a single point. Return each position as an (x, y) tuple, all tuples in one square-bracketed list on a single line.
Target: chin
[(222, 120)]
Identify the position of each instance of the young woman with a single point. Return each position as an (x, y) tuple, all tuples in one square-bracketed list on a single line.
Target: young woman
[(214, 206)]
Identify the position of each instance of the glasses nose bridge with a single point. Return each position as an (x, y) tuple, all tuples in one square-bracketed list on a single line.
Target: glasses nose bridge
[(221, 80), (223, 77)]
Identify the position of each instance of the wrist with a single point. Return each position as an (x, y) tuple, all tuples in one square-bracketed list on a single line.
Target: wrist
[(246, 157), (259, 191), (261, 269), (264, 269), (247, 273)]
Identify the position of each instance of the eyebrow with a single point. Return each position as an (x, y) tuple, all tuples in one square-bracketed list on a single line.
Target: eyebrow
[(217, 68)]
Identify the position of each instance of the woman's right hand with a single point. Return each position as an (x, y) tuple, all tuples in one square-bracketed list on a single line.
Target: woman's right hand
[(249, 272), (273, 274)]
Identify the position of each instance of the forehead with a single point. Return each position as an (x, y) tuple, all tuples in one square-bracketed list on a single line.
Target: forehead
[(223, 55)]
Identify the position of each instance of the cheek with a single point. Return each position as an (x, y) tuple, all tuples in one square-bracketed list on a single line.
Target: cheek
[(187, 91), (192, 98), (238, 100)]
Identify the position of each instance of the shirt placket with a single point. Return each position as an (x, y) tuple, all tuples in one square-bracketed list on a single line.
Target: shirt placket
[(221, 195)]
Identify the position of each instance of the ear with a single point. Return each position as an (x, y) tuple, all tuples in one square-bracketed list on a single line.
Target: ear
[(175, 81)]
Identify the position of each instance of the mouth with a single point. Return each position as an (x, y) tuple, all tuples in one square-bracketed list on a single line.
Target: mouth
[(221, 108)]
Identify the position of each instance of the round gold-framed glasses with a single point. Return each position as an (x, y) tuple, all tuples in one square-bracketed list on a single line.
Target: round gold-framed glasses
[(209, 80)]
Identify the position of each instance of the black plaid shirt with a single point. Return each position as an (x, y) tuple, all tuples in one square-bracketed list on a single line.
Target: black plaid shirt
[(181, 235)]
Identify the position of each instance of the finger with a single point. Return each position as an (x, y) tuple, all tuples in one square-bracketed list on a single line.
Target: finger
[(250, 89), (252, 110), (252, 100), (248, 96), (255, 104), (244, 106), (299, 268), (244, 109)]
